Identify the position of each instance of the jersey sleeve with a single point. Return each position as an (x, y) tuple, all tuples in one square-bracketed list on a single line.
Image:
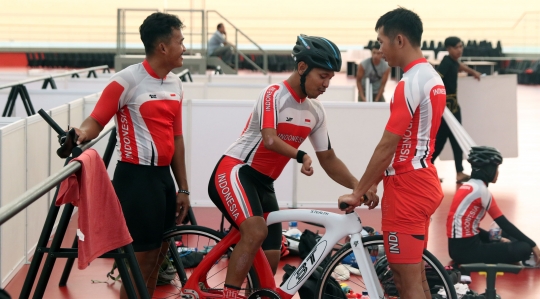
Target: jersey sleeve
[(177, 123), (109, 102), (267, 107), (319, 137), (401, 110), (493, 209)]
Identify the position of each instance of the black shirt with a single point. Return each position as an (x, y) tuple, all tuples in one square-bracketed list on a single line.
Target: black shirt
[(448, 69)]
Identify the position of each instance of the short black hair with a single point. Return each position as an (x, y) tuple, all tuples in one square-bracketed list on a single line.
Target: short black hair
[(451, 41), (376, 45), (219, 25), (158, 27), (404, 21)]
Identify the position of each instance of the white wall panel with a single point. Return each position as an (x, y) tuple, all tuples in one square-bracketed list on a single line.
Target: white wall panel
[(37, 165), (355, 129), (489, 113), (13, 184)]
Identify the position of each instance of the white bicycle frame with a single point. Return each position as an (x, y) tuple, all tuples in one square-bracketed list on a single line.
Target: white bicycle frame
[(337, 227)]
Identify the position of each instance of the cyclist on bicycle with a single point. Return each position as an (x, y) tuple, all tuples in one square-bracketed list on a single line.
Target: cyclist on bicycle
[(285, 114), (467, 242), (412, 191)]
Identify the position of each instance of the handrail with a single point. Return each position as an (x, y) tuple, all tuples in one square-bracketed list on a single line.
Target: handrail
[(264, 69), (54, 76), (27, 198)]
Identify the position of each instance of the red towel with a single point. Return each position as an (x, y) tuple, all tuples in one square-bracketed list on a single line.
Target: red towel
[(102, 226)]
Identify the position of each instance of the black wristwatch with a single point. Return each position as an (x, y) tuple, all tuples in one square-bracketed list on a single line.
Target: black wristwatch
[(183, 191)]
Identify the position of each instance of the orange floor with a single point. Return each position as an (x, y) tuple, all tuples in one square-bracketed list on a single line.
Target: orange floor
[(515, 192)]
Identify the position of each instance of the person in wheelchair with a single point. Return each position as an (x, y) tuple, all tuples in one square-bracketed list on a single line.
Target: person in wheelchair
[(467, 242), (285, 115)]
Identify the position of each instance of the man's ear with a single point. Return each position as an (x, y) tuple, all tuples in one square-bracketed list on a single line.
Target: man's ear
[(400, 40), (161, 48), (302, 66)]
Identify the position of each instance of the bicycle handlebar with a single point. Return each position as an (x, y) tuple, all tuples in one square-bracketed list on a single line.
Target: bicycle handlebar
[(344, 205), (51, 122), (67, 140)]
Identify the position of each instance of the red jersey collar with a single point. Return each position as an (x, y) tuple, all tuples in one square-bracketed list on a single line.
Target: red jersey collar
[(417, 61), (295, 96), (150, 71)]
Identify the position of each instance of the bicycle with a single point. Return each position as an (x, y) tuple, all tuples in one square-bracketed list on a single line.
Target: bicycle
[(204, 281)]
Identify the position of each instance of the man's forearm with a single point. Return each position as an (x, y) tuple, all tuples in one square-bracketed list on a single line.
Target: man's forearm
[(337, 171), (374, 172), (178, 163)]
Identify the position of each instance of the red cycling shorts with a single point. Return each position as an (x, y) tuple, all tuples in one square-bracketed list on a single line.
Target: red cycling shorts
[(408, 202)]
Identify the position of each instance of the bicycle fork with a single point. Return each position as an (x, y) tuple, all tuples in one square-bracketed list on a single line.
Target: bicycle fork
[(366, 267)]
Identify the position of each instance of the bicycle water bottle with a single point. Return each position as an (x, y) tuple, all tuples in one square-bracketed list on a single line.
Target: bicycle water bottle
[(293, 232), (495, 232)]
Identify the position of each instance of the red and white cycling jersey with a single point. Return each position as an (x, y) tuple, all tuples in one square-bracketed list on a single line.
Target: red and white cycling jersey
[(148, 114), (415, 114), (468, 208), (294, 118)]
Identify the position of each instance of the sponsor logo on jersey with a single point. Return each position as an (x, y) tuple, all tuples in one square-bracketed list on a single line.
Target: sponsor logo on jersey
[(288, 118), (293, 138), (407, 144), (153, 96), (307, 120), (124, 134), (268, 97), (439, 91)]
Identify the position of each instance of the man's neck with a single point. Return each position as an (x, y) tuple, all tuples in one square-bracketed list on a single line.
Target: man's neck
[(294, 83), (158, 67), (412, 55)]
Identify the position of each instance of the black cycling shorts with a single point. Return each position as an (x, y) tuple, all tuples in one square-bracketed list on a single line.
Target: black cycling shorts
[(240, 192), (147, 195)]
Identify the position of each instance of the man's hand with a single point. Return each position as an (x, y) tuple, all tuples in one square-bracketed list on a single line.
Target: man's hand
[(477, 75), (505, 240), (82, 136), (182, 207), (372, 198), (306, 165), (362, 98), (351, 200)]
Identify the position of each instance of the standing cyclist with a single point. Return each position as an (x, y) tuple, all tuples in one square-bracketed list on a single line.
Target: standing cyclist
[(145, 100), (283, 117), (412, 191)]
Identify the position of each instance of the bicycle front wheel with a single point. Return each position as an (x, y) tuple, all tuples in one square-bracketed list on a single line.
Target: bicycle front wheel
[(187, 245), (375, 245)]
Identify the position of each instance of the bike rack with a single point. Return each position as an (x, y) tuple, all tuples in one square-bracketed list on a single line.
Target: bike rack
[(55, 251), (19, 88)]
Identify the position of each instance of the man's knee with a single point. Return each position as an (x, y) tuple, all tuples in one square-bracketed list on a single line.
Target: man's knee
[(254, 230), (522, 250)]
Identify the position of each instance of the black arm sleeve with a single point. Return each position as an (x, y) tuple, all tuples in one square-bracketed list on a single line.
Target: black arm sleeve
[(484, 235), (513, 231)]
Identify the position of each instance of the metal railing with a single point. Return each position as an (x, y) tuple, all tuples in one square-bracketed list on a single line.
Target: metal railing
[(190, 32), (19, 88), (121, 28), (264, 68), (27, 198)]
